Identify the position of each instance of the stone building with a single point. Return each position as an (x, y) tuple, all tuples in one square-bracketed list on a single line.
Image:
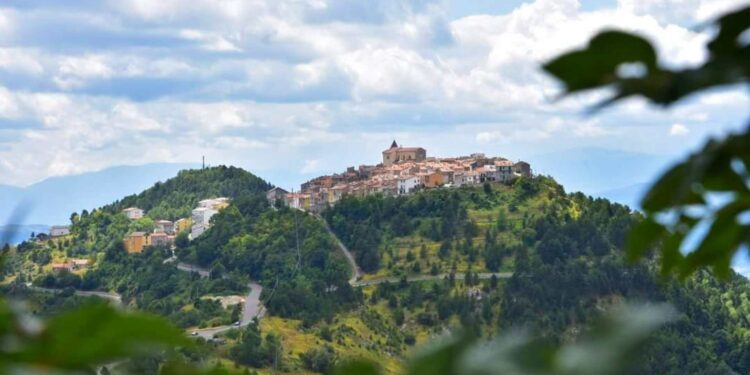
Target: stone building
[(397, 154)]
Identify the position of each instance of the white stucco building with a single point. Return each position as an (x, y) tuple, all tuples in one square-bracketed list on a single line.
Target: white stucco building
[(408, 184), (133, 213)]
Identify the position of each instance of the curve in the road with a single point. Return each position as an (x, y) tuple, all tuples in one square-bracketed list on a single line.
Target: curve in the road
[(253, 308), (356, 271)]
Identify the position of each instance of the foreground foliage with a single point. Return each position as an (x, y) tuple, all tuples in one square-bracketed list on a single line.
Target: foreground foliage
[(686, 198)]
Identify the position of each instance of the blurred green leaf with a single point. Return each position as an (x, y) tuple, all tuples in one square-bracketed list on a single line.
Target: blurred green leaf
[(731, 26), (597, 64), (720, 167), (440, 356), (95, 334), (722, 240), (611, 347), (357, 367), (614, 342), (643, 235), (673, 186)]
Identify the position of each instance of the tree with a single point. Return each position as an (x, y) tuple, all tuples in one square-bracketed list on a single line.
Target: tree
[(445, 249), (236, 312), (248, 351), (182, 241), (502, 220), (274, 351), (321, 359)]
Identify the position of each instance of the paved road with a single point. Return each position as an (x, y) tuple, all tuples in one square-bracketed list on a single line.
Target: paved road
[(251, 309), (191, 268), (114, 297), (356, 271), (411, 279)]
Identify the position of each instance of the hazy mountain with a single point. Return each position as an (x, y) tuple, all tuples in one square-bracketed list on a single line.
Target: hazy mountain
[(629, 195), (14, 234), (614, 174), (51, 201)]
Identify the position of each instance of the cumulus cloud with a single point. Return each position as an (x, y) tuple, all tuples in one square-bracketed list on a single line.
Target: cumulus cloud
[(311, 166), (269, 83)]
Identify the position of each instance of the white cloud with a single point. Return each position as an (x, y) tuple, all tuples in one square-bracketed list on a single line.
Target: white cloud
[(490, 136), (17, 60), (74, 71), (678, 130), (9, 107), (590, 128), (684, 12), (7, 26), (273, 82), (210, 41), (311, 166)]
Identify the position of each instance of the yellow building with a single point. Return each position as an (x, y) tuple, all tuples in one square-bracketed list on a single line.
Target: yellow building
[(135, 242), (434, 179), (182, 225)]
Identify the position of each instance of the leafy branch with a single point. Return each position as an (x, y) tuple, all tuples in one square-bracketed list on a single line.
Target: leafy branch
[(710, 187)]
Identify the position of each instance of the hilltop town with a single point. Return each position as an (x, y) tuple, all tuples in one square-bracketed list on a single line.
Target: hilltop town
[(404, 170)]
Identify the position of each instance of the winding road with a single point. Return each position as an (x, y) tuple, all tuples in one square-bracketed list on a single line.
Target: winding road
[(357, 274), (114, 297), (252, 308), (356, 271)]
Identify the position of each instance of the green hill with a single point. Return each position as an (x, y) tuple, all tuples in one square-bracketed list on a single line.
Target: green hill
[(176, 197), (566, 254), (486, 258)]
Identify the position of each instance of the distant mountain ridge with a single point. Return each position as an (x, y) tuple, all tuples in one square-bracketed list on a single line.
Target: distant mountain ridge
[(618, 175), (15, 234), (613, 174), (52, 200), (629, 195)]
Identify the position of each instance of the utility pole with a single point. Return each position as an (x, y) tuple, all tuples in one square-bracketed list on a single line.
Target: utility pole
[(203, 166)]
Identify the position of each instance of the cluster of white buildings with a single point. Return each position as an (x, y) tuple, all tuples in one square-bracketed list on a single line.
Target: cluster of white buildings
[(202, 214), (404, 170)]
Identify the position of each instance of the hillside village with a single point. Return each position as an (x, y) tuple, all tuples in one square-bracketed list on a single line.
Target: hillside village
[(165, 231), (404, 170)]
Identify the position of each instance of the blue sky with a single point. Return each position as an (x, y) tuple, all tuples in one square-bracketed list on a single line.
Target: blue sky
[(307, 87)]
